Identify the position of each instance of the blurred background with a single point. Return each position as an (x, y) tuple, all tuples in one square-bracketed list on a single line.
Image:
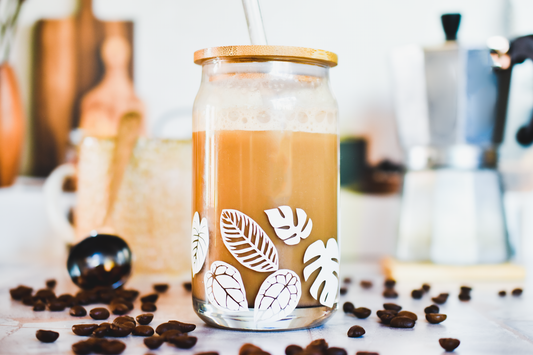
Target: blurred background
[(56, 59)]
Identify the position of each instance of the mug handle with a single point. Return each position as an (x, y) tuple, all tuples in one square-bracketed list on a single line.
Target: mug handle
[(53, 189)]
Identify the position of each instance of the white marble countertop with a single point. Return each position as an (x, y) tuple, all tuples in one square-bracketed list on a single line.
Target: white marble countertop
[(488, 324)]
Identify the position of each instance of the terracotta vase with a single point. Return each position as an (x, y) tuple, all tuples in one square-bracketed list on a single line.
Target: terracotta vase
[(11, 125)]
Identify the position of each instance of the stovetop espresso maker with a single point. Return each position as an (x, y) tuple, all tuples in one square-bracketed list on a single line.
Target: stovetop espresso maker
[(451, 103)]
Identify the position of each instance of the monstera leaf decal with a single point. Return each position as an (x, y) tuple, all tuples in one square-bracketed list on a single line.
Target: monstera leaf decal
[(247, 242), (278, 296), (200, 243), (224, 287), (328, 266), (282, 220)]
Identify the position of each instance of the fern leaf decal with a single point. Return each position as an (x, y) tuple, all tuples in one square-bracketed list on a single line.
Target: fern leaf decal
[(278, 296), (248, 242), (328, 266), (224, 287), (282, 220), (200, 243)]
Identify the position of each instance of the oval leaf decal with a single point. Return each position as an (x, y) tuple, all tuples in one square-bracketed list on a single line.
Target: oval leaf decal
[(278, 296), (224, 287), (328, 266), (282, 220), (247, 242), (200, 243)]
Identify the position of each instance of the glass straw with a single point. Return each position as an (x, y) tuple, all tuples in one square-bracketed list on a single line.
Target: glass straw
[(255, 22)]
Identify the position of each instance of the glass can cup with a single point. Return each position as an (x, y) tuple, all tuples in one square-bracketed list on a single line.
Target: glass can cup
[(265, 250)]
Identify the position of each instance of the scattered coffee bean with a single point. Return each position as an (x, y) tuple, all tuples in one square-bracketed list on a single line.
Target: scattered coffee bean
[(148, 307), (120, 330), (173, 324), (68, 299), (362, 312), (347, 280), (45, 294), (435, 318), (28, 301), (466, 289), (348, 307), (143, 331), (293, 350), (120, 300), (440, 299), (426, 287), (207, 353), (318, 344), (112, 347), (125, 319), (47, 336), (82, 347), (20, 292), (247, 349), (449, 344), (402, 322), (129, 295), (356, 331), (366, 353), (390, 293), (183, 341), (77, 311), (417, 294), (390, 283), (366, 284), (464, 297), (343, 291), (119, 308), (336, 351), (51, 283), (408, 315), (161, 288), (56, 306), (99, 313), (153, 342), (150, 298), (502, 293), (39, 306), (171, 333), (392, 307), (516, 292), (432, 309), (386, 316), (187, 286), (84, 329), (102, 330), (144, 319), (386, 311)]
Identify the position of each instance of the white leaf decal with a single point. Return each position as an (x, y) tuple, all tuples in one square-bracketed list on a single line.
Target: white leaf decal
[(282, 220), (200, 243), (278, 296), (328, 263), (248, 242), (224, 287)]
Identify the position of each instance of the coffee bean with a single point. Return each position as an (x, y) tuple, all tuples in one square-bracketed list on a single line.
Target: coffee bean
[(432, 309), (362, 312), (392, 307), (28, 301), (402, 322), (390, 293), (99, 313), (47, 336), (84, 329), (187, 286), (435, 318), (153, 342), (183, 341), (343, 291), (39, 306), (502, 293), (148, 307), (426, 287), (293, 350), (247, 349), (78, 311), (207, 353), (125, 319), (440, 299), (51, 283), (356, 331), (120, 300), (348, 307), (20, 292), (417, 294), (171, 333), (336, 351), (145, 318), (143, 331), (386, 311), (129, 295), (366, 353), (320, 344), (390, 283), (45, 294), (516, 292), (119, 308), (112, 347), (150, 298), (347, 280), (408, 315), (102, 330), (466, 289), (82, 347), (161, 288), (120, 330), (57, 306), (172, 324), (386, 316), (464, 297), (366, 284), (449, 344), (68, 299)]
